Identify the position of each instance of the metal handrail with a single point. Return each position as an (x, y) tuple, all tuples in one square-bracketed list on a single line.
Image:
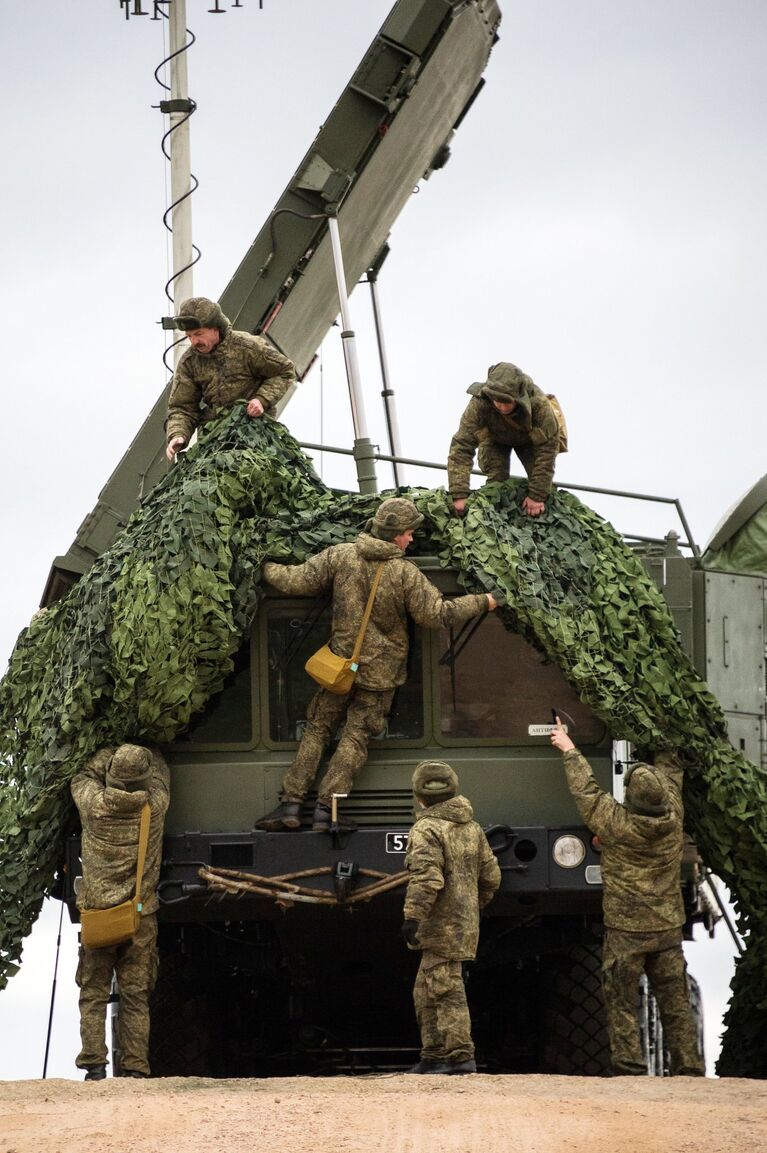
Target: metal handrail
[(441, 466)]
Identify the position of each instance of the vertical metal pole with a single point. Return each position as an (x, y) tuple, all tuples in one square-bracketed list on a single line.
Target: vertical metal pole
[(53, 995), (363, 449), (387, 393), (180, 163)]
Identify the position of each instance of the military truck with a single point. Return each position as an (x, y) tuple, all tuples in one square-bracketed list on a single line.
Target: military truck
[(281, 952)]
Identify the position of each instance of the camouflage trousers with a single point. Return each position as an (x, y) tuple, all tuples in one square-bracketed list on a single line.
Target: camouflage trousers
[(494, 460), (624, 957), (135, 966), (439, 996), (365, 712)]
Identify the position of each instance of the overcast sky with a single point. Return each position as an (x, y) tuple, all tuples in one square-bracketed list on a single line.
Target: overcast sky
[(601, 223)]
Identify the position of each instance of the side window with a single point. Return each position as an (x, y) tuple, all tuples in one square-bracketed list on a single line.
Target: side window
[(493, 684), (227, 719), (293, 633)]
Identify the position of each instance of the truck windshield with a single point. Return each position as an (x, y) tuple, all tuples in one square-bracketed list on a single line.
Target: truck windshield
[(293, 633), (494, 685)]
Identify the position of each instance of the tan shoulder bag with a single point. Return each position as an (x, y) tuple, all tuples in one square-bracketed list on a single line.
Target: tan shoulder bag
[(103, 928), (334, 673)]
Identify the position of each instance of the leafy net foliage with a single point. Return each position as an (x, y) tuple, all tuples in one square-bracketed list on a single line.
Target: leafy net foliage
[(143, 641)]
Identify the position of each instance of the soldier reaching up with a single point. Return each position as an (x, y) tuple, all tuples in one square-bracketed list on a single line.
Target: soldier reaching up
[(642, 903), (349, 570)]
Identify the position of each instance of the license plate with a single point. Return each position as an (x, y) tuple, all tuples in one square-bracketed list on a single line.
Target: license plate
[(396, 842)]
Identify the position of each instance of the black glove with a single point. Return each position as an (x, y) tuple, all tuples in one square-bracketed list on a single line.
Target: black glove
[(410, 934)]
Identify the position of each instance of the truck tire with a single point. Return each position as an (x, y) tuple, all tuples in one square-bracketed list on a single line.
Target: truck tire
[(696, 1004), (573, 1031), (183, 1038)]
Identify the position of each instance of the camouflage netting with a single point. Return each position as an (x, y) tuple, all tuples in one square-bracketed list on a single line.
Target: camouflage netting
[(148, 636)]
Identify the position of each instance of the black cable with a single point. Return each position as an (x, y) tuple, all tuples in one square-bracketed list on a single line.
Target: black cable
[(53, 993)]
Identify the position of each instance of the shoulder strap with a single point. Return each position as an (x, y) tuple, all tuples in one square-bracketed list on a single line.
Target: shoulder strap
[(366, 617), (143, 838)]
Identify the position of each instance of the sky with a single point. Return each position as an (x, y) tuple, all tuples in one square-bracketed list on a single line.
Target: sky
[(601, 223)]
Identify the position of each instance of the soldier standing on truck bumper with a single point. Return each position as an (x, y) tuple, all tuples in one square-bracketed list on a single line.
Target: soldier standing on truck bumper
[(110, 793), (453, 875), (348, 569), (222, 366), (642, 904), (507, 411)]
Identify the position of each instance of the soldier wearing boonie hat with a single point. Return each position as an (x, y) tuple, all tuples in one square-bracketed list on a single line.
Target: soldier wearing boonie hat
[(221, 366), (642, 905), (110, 793), (453, 875), (348, 570), (507, 411)]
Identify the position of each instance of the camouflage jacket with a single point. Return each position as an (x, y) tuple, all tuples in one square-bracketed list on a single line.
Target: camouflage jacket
[(453, 874), (532, 424), (240, 367), (641, 856), (349, 569), (110, 822)]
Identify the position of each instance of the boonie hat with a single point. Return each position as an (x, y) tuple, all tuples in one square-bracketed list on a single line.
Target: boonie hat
[(130, 768), (435, 780), (645, 792), (393, 517)]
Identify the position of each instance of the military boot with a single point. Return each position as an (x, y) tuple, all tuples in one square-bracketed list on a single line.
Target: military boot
[(95, 1073), (287, 815), (468, 1066), (321, 820), (425, 1066)]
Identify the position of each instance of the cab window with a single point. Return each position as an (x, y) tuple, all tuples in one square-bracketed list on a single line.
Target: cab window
[(494, 685), (293, 633)]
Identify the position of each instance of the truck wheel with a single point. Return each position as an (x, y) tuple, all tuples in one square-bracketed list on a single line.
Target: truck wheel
[(183, 1039), (573, 1033), (696, 1004)]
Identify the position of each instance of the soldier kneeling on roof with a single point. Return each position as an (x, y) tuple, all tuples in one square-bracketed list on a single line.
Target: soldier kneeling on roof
[(507, 411)]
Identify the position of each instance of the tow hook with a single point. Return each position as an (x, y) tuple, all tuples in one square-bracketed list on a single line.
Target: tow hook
[(344, 879), (507, 834), (185, 890)]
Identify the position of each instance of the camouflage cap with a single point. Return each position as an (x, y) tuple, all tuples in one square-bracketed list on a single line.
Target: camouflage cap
[(199, 312), (435, 781), (504, 382), (393, 517), (130, 768), (646, 793)]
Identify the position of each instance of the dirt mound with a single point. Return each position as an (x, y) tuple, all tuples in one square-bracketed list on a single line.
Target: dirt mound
[(396, 1113)]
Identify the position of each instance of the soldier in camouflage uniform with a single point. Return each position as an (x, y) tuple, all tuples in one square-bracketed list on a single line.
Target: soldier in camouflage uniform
[(642, 903), (506, 411), (349, 569), (110, 793), (453, 874), (222, 366)]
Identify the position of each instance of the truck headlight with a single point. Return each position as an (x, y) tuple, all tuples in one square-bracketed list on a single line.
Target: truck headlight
[(569, 851)]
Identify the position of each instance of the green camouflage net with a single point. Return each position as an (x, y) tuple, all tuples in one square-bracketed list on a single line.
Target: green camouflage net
[(143, 641)]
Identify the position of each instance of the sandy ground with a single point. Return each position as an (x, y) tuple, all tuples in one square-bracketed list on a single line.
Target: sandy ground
[(393, 1113)]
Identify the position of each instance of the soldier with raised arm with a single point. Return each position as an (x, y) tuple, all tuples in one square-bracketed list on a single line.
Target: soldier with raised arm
[(642, 903), (507, 411), (348, 570), (222, 366)]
